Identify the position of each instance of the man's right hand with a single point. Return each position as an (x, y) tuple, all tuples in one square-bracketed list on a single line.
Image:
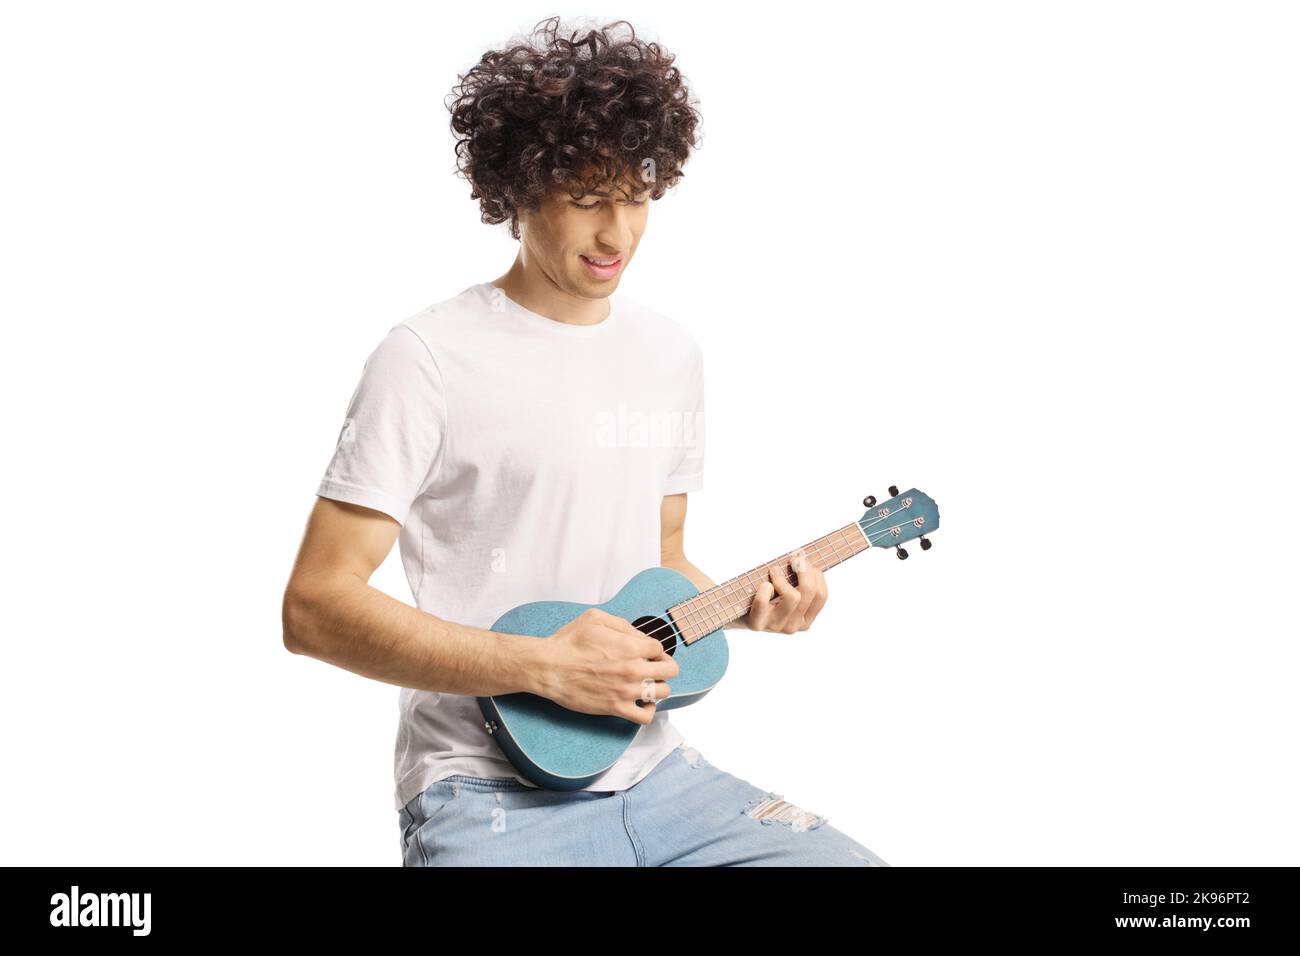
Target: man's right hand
[(599, 663)]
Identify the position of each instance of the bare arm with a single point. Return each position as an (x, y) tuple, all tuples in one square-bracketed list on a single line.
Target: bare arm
[(778, 605), (332, 613), (672, 552), (597, 663)]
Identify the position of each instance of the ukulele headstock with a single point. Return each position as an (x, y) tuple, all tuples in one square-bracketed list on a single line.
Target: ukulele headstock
[(911, 514)]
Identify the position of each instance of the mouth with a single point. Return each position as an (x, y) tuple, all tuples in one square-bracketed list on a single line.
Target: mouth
[(602, 267)]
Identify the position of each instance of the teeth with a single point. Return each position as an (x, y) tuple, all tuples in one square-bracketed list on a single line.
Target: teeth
[(600, 262)]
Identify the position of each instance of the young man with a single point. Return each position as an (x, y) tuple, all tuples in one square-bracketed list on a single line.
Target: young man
[(475, 434)]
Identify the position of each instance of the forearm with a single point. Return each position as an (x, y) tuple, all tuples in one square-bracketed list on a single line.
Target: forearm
[(681, 564), (357, 627)]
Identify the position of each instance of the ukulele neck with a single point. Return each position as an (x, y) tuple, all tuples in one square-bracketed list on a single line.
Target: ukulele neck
[(732, 599)]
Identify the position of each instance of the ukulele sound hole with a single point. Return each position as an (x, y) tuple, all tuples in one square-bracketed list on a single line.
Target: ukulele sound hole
[(660, 630)]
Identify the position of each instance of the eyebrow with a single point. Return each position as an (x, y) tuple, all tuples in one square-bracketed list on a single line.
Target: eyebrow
[(605, 195)]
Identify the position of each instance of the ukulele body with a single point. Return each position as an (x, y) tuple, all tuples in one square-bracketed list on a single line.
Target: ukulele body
[(561, 749)]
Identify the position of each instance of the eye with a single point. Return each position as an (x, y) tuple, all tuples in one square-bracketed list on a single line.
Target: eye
[(625, 202)]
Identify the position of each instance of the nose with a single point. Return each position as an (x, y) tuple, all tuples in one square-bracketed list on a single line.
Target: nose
[(616, 233)]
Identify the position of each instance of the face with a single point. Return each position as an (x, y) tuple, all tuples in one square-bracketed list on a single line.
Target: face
[(583, 246)]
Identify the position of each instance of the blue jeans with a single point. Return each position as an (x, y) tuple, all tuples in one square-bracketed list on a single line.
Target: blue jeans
[(685, 812)]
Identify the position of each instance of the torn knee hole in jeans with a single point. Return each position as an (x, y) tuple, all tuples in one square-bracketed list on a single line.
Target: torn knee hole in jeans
[(775, 809)]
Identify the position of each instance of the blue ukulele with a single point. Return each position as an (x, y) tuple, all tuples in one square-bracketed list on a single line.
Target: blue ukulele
[(561, 749)]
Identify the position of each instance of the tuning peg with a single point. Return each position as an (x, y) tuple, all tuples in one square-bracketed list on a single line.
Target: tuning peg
[(893, 491), (869, 501), (902, 555), (925, 544)]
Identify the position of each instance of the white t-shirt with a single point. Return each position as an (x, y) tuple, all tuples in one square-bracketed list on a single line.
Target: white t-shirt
[(526, 460)]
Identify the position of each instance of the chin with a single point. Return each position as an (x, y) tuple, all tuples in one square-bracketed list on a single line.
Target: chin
[(599, 288)]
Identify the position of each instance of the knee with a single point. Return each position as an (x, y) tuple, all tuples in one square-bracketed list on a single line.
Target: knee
[(828, 847)]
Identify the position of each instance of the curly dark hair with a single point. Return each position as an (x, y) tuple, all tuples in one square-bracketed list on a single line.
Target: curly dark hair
[(577, 114)]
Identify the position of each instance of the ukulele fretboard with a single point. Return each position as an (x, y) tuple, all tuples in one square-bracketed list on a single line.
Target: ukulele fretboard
[(732, 599)]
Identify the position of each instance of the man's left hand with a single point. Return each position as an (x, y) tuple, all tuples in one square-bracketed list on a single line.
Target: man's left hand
[(783, 607)]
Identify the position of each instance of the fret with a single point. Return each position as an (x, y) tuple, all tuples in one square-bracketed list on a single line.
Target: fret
[(718, 606)]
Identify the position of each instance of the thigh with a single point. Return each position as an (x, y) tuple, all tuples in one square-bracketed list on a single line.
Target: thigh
[(698, 815), (479, 821)]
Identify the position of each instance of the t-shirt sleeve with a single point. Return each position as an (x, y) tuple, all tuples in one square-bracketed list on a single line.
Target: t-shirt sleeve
[(687, 471), (392, 434)]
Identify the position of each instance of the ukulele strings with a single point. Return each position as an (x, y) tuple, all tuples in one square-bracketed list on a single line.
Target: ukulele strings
[(817, 553)]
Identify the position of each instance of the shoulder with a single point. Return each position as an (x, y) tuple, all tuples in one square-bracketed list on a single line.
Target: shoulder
[(427, 336), (402, 351), (443, 320), (664, 328), (413, 345)]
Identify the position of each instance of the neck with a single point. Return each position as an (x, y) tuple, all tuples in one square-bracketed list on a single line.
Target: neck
[(732, 599), (537, 293)]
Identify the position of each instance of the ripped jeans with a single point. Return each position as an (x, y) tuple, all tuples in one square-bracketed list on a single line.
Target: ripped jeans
[(685, 812)]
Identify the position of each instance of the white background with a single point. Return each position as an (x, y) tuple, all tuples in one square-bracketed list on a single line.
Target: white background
[(1035, 259)]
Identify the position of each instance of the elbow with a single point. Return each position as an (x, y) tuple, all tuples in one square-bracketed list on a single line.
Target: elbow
[(293, 613)]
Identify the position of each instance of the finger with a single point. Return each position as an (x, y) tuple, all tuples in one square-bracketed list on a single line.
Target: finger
[(818, 602), (788, 615), (761, 610), (621, 624), (791, 622), (635, 643), (637, 712), (780, 580), (653, 691), (784, 588), (659, 670), (650, 649), (809, 581)]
